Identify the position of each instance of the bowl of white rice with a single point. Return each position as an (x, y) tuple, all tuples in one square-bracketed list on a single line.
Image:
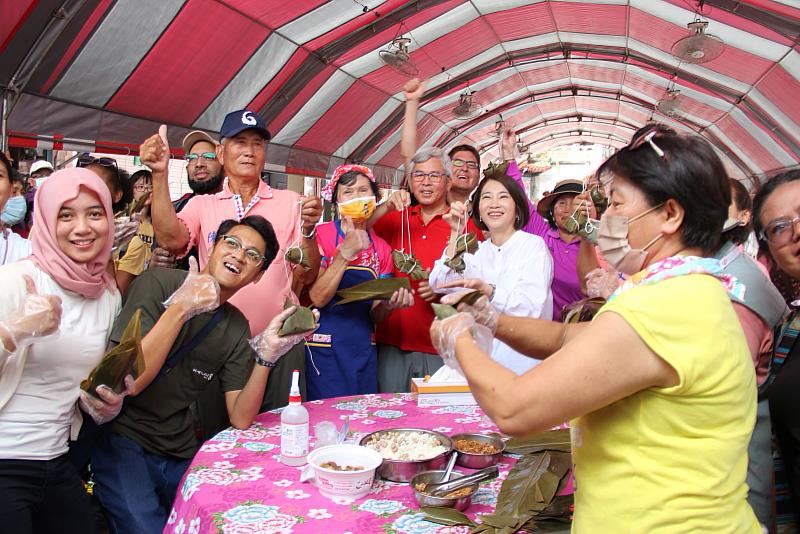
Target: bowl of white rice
[(408, 451)]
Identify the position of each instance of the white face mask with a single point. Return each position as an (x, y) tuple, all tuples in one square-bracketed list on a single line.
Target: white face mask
[(612, 239)]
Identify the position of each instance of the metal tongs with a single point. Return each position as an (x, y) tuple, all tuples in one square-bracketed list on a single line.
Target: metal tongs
[(443, 488)]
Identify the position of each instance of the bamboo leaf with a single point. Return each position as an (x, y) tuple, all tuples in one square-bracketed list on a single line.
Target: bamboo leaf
[(378, 289), (558, 440), (443, 311), (446, 516), (465, 243), (139, 205)]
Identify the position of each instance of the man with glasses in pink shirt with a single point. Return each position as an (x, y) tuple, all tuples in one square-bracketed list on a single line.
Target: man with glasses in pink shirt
[(242, 153)]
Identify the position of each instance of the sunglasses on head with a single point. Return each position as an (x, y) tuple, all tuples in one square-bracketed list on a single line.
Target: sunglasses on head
[(84, 160)]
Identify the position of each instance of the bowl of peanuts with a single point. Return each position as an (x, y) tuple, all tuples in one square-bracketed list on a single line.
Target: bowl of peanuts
[(477, 451)]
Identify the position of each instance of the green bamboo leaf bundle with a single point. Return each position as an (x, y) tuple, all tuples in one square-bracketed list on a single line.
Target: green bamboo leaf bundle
[(446, 516), (443, 311), (123, 360), (409, 264), (378, 289), (554, 440), (465, 243), (302, 320), (599, 199), (297, 256)]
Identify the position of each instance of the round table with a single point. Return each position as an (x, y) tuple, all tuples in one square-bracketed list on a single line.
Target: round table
[(236, 483)]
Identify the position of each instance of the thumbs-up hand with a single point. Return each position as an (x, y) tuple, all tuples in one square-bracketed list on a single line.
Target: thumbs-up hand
[(355, 240), (154, 152), (37, 316), (198, 294)]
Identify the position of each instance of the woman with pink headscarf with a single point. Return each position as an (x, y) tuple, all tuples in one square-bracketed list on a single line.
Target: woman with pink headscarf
[(56, 312)]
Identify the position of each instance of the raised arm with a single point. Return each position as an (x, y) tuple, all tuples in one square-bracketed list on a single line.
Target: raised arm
[(413, 91), (170, 232)]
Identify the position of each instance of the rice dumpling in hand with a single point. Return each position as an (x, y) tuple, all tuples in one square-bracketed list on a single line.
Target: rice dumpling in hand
[(378, 289), (465, 243), (297, 256), (302, 320), (408, 264), (123, 360), (599, 199)]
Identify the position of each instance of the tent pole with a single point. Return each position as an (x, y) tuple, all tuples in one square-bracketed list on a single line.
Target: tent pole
[(4, 123)]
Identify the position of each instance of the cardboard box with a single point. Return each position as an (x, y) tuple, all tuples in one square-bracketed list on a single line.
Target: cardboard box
[(441, 393)]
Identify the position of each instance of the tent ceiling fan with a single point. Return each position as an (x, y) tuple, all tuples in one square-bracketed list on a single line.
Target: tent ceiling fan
[(396, 56), (700, 47), (467, 107), (669, 104)]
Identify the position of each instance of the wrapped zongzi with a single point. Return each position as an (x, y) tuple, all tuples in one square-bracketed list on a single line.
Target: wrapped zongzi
[(297, 256), (465, 243), (408, 264), (123, 360), (378, 289), (302, 320)]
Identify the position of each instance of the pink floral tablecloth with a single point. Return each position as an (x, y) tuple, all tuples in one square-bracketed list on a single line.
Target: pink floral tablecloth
[(236, 483)]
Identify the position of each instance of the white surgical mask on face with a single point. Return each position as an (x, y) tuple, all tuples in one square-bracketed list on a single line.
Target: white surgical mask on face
[(40, 181), (612, 239)]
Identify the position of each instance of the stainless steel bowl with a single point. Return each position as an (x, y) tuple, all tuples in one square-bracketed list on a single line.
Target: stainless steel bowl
[(460, 503), (479, 461), (404, 470)]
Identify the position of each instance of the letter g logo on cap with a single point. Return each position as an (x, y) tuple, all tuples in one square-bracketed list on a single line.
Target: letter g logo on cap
[(248, 119)]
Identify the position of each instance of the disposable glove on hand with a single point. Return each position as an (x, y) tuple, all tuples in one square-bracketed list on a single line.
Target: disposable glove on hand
[(124, 230), (445, 333), (107, 405), (601, 283), (269, 345), (37, 316), (482, 311), (198, 294)]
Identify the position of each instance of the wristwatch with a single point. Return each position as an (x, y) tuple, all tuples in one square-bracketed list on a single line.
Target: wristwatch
[(265, 363)]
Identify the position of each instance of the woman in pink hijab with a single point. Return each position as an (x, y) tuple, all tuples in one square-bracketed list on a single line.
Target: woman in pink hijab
[(56, 312)]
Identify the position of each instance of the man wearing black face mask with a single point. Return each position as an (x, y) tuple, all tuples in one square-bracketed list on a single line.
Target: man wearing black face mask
[(204, 177)]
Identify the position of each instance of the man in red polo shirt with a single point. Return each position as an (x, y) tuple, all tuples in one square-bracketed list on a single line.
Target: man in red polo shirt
[(405, 350)]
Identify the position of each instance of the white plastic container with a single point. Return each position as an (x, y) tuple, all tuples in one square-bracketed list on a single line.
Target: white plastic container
[(294, 427), (350, 484)]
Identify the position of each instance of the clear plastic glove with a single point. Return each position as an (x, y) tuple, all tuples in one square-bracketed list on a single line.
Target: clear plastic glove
[(444, 334), (198, 294), (37, 316), (601, 283), (482, 311), (124, 229), (355, 240), (107, 405), (269, 345)]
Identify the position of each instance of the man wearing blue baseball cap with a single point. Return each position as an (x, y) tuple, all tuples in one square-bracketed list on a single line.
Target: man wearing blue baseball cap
[(242, 153)]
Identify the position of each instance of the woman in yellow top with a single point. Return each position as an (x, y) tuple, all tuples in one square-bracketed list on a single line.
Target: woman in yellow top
[(660, 386)]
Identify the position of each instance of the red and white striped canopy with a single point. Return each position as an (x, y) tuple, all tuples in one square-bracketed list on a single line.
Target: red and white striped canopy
[(102, 74)]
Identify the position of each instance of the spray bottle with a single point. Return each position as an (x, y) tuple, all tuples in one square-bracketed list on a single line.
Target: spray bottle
[(294, 427)]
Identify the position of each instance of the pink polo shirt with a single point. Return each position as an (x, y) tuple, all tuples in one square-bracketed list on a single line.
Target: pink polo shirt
[(202, 215)]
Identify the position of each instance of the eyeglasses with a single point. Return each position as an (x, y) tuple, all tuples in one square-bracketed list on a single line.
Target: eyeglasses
[(435, 177), (192, 158), (233, 245), (460, 163), (85, 160), (780, 231), (143, 187)]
